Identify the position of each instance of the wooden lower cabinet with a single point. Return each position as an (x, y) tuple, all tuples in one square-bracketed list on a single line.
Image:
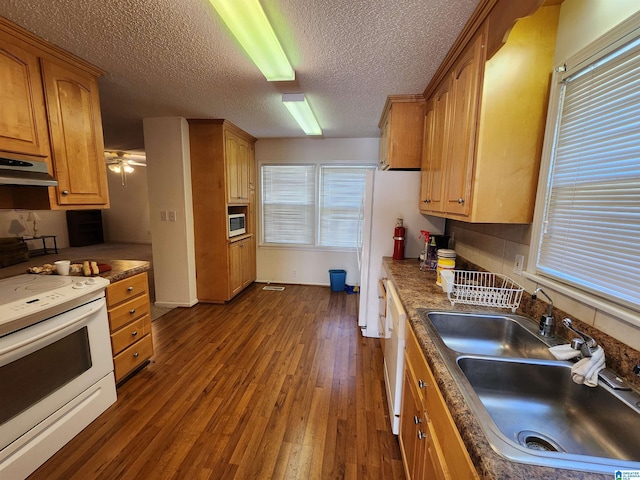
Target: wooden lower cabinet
[(429, 440), (242, 265), (129, 313)]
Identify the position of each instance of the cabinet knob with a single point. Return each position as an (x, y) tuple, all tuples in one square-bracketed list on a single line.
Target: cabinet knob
[(426, 200), (417, 420), (65, 192), (421, 384), (421, 435), (134, 333), (136, 355), (461, 201), (130, 289), (132, 311)]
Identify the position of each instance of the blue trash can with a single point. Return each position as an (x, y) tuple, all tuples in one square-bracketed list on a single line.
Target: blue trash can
[(337, 278)]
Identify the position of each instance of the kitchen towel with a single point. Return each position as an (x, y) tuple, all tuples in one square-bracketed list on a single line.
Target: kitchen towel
[(585, 371), (564, 352)]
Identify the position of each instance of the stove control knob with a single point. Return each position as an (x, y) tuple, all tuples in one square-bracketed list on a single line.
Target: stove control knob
[(91, 281), (78, 285)]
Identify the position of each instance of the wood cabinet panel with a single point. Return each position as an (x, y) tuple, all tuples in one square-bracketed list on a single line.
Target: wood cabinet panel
[(130, 333), (437, 451), (23, 122), (77, 145), (129, 309), (222, 180), (126, 289), (401, 127), (495, 117), (131, 358)]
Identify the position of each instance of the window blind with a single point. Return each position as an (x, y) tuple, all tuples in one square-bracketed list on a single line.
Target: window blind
[(591, 224), (288, 204), (341, 192)]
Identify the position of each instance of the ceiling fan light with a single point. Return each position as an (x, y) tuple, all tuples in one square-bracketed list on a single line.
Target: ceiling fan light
[(115, 168), (128, 169), (300, 109), (249, 24)]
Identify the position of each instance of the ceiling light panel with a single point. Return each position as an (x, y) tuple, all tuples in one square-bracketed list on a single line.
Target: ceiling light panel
[(249, 24), (300, 109)]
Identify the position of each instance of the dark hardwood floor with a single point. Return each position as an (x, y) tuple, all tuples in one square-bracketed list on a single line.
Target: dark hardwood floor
[(274, 385)]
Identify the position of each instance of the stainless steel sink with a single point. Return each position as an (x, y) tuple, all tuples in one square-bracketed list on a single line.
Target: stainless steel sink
[(537, 410), (482, 334), (526, 402)]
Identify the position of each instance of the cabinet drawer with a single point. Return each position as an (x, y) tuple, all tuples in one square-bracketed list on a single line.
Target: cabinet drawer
[(128, 288), (130, 358), (129, 311), (418, 365), (129, 334)]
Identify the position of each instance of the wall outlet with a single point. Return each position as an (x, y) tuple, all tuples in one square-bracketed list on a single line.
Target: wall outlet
[(295, 273), (172, 215), (517, 264), (163, 215)]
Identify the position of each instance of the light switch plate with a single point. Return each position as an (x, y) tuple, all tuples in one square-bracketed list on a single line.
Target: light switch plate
[(163, 215), (172, 215)]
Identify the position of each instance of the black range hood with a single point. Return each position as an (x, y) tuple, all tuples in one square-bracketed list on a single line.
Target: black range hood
[(23, 172)]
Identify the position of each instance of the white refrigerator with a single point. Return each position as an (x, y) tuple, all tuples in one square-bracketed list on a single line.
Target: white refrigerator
[(389, 195)]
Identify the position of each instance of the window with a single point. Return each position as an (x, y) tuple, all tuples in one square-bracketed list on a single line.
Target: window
[(312, 205), (589, 231)]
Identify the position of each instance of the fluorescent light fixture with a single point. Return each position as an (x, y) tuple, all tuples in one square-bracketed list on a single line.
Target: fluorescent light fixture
[(300, 109), (247, 21)]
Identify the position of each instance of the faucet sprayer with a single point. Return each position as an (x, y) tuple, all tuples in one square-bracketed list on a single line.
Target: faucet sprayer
[(546, 321)]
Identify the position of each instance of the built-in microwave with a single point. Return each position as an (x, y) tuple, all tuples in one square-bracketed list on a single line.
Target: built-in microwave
[(237, 224)]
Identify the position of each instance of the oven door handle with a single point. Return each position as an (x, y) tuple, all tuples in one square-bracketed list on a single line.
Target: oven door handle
[(48, 333)]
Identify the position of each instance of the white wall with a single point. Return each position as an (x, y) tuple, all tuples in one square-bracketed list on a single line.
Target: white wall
[(127, 221), (50, 223), (494, 247), (166, 142), (290, 265)]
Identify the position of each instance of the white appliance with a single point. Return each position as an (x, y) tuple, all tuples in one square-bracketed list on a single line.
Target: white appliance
[(389, 195), (237, 224), (394, 353), (56, 366)]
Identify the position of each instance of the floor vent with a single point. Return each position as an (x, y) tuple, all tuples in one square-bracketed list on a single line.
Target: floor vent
[(273, 287)]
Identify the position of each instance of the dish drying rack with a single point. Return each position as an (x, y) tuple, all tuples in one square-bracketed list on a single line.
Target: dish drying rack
[(481, 288)]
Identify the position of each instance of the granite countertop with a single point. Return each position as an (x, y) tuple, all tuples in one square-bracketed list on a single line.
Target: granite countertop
[(418, 289), (120, 269)]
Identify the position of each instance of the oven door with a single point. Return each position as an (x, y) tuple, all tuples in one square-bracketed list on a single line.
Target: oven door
[(45, 366)]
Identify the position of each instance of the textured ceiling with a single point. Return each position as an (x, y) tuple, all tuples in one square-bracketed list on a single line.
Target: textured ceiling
[(176, 58)]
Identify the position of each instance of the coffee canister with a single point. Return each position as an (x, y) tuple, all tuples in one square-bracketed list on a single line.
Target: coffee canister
[(446, 261)]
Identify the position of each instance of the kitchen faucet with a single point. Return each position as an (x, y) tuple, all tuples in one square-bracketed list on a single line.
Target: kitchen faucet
[(546, 321), (587, 345)]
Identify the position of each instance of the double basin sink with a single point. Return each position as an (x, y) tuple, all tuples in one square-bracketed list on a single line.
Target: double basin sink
[(525, 400)]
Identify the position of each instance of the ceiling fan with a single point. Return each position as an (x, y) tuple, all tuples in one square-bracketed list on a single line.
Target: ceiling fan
[(123, 163)]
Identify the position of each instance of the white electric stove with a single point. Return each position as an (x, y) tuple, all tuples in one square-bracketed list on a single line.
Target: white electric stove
[(56, 365), (27, 299)]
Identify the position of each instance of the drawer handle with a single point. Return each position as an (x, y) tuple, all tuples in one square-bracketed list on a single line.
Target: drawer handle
[(461, 201), (134, 333), (417, 420), (421, 435), (421, 384), (130, 289), (136, 355), (132, 311)]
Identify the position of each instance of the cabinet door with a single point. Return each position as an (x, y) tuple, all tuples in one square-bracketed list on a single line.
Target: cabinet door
[(248, 261), (23, 120), (77, 144), (385, 144), (237, 163), (235, 267), (465, 89), (433, 151), (410, 416)]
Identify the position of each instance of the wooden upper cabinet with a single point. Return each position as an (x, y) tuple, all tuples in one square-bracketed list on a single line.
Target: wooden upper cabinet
[(401, 127), (23, 121), (490, 136), (77, 144), (50, 112), (465, 89), (237, 161)]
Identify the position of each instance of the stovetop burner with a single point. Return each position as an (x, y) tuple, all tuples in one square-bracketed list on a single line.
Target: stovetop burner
[(26, 285)]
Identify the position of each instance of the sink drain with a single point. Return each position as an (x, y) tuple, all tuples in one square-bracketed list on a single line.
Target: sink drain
[(538, 441)]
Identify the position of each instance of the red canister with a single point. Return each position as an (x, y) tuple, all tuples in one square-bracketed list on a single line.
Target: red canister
[(398, 241)]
